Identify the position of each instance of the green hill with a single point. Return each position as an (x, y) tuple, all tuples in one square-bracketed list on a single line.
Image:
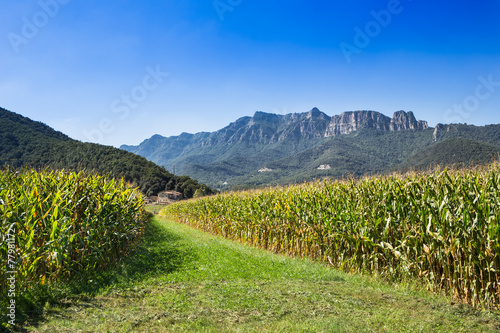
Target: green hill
[(456, 151), (27, 143)]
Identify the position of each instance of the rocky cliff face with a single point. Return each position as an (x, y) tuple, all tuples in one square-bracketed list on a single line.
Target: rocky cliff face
[(352, 121), (266, 128), (437, 132), (254, 133), (402, 121), (270, 128)]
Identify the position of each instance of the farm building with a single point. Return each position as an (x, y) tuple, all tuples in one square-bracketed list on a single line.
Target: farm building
[(151, 199), (168, 196)]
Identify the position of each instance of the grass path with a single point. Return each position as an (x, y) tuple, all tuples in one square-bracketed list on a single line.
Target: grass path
[(183, 280)]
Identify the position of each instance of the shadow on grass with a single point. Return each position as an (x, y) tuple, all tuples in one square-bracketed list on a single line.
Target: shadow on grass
[(159, 253)]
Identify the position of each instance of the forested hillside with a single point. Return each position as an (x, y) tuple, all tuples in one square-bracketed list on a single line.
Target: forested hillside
[(26, 143), (456, 151)]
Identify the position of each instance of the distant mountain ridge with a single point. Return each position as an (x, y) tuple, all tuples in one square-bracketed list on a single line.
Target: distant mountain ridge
[(268, 128), (249, 143)]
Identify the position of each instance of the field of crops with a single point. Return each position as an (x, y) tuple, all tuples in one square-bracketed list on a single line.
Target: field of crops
[(441, 228), (57, 225)]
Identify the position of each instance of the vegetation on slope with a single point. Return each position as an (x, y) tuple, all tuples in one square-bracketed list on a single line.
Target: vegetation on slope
[(487, 134), (457, 151), (26, 143), (441, 228), (363, 152)]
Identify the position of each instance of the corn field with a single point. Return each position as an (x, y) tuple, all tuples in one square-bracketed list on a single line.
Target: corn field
[(441, 228), (63, 224)]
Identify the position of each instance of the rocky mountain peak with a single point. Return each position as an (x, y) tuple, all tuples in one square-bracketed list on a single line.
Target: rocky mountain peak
[(402, 120), (316, 113), (264, 116), (263, 129)]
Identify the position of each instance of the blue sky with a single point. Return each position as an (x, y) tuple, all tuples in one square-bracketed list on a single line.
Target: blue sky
[(117, 72)]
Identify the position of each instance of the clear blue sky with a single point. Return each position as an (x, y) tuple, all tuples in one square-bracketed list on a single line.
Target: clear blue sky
[(117, 72)]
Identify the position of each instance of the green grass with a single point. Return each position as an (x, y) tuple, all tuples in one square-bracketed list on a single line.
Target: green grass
[(440, 228), (183, 280)]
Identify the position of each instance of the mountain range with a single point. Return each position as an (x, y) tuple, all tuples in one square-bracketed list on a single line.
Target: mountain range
[(269, 149)]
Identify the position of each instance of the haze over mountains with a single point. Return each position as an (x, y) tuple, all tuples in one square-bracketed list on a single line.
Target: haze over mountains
[(268, 149)]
